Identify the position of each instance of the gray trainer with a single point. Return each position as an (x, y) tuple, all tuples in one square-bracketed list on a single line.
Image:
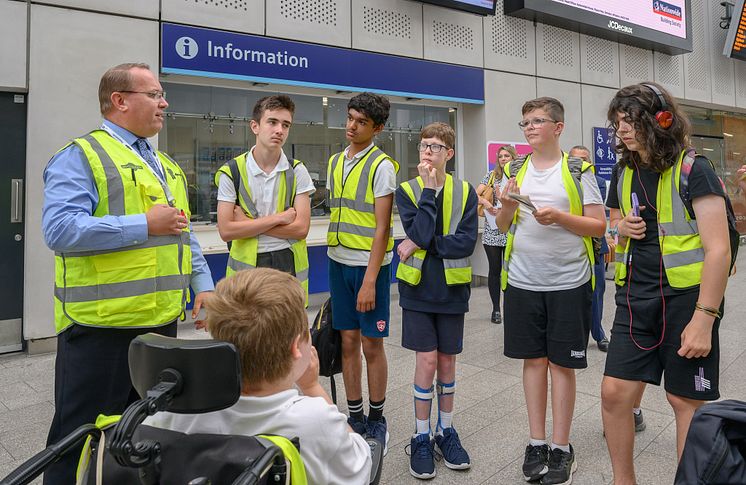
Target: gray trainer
[(639, 422)]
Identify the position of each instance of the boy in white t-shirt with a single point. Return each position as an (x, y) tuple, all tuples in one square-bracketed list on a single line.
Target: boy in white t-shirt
[(547, 279), (262, 313)]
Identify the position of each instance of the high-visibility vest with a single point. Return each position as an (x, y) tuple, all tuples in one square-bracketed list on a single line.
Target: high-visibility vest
[(572, 171), (352, 222), (457, 271), (244, 252), (678, 237), (143, 285)]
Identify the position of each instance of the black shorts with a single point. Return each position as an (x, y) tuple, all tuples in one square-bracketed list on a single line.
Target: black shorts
[(425, 332), (552, 324), (690, 378)]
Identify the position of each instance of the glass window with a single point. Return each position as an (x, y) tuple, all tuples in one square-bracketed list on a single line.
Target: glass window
[(207, 126)]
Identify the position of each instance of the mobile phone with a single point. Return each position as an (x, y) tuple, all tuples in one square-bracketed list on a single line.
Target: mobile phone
[(635, 205)]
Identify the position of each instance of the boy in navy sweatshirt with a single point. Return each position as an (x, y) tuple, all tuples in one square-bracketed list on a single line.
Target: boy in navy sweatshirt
[(439, 216)]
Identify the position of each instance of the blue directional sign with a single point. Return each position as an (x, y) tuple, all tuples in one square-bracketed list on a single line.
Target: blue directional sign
[(604, 153), (215, 53)]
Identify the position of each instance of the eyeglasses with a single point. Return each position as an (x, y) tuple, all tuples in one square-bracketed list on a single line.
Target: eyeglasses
[(157, 95), (434, 147), (534, 122)]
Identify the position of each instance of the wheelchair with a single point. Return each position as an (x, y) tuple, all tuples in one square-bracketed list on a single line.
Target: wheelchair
[(180, 376)]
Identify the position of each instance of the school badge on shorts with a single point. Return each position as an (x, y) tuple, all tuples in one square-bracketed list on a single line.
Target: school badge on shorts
[(381, 325)]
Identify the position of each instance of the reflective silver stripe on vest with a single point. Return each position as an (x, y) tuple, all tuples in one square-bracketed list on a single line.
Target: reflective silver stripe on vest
[(416, 190), (506, 261), (575, 165), (152, 242), (413, 262), (620, 257), (352, 204), (457, 206), (684, 258), (302, 275), (289, 179), (80, 294), (362, 186), (456, 263), (237, 265), (333, 199), (247, 198), (679, 225), (352, 229), (114, 184)]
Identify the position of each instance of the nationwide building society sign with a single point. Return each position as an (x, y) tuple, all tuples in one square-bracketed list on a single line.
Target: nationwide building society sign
[(219, 54)]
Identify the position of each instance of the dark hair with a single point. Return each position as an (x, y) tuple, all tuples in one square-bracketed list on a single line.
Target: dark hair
[(374, 106), (441, 131), (639, 104), (551, 105), (276, 101)]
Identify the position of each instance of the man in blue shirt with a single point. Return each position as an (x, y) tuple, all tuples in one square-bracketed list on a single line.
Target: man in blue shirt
[(91, 371), (601, 246)]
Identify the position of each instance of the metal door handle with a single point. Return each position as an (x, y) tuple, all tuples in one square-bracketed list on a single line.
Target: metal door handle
[(16, 200)]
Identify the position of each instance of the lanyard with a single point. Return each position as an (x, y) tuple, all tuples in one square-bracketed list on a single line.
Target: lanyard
[(164, 186)]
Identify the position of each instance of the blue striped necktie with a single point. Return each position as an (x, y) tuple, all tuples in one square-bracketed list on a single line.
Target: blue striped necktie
[(147, 155)]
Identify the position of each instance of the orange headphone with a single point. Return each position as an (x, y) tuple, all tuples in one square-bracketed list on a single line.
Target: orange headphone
[(663, 116)]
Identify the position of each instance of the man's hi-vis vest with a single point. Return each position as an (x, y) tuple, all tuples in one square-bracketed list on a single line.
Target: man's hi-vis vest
[(457, 271), (244, 252), (572, 171), (681, 246), (144, 285), (352, 222)]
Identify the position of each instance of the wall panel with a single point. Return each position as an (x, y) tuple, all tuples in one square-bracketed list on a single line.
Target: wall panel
[(635, 65), (391, 26), (697, 85), (238, 15), (599, 61), (13, 21), (452, 36), (321, 21), (557, 53), (509, 43)]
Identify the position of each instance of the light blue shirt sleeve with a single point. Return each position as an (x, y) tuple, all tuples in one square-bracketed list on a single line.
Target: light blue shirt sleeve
[(68, 225)]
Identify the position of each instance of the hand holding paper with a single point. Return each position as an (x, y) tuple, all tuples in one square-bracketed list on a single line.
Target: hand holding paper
[(523, 200)]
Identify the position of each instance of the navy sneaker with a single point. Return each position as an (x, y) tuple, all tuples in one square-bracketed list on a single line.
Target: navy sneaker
[(379, 431), (454, 455), (359, 427), (422, 457), (535, 462)]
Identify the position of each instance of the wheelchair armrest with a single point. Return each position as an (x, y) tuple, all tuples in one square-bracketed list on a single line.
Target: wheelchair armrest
[(376, 454), (35, 466)]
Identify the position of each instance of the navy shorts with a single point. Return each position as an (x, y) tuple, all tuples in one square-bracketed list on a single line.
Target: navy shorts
[(344, 283), (425, 332), (691, 378), (552, 324)]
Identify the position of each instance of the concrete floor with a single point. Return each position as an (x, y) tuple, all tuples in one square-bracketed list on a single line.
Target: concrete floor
[(490, 413)]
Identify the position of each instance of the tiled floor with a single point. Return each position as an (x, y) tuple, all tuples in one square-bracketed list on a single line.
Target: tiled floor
[(490, 409)]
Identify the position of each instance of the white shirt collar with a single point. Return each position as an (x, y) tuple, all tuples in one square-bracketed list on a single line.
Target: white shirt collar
[(359, 154), (255, 169)]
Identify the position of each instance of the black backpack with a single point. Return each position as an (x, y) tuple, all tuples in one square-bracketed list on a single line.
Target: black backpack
[(715, 449), (328, 343)]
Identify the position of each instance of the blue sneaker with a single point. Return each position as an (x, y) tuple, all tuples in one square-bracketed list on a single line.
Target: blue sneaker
[(422, 457), (359, 427), (379, 431), (454, 455)]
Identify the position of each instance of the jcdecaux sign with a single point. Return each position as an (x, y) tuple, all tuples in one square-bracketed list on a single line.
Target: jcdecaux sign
[(219, 54)]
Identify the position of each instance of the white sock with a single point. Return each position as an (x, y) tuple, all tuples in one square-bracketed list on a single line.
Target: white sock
[(446, 420), (565, 448), (423, 426), (534, 442), (636, 410)]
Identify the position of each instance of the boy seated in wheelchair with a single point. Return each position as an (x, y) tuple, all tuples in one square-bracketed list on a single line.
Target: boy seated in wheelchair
[(262, 312)]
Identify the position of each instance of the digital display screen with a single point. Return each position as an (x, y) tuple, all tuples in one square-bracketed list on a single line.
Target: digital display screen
[(660, 25), (668, 17), (482, 7), (735, 41)]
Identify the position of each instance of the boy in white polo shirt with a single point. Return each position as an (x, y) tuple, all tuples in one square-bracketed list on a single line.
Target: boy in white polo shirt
[(266, 213)]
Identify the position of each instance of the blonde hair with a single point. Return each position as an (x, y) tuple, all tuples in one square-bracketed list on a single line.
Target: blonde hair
[(499, 168), (260, 311), (117, 78)]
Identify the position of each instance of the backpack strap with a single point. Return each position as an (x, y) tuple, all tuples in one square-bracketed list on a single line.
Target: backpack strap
[(235, 175)]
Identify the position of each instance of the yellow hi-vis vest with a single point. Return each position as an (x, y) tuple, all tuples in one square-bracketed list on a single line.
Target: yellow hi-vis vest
[(244, 252), (681, 246), (572, 170), (352, 222), (457, 271), (144, 285)]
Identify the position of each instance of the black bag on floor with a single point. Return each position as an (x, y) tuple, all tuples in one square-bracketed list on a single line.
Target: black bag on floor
[(328, 343), (715, 449)]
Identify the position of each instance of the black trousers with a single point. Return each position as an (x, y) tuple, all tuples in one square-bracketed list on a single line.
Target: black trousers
[(281, 260), (91, 377), (495, 261)]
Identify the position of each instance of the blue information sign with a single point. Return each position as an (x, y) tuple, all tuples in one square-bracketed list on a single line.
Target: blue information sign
[(604, 153), (216, 53)]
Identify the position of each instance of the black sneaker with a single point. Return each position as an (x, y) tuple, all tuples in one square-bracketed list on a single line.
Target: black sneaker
[(535, 462), (561, 467), (496, 317), (639, 422), (603, 345)]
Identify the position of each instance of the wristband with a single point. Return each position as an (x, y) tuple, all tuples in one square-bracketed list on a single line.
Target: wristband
[(713, 312), (614, 231)]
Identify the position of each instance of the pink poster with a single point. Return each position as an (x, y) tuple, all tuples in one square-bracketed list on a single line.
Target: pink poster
[(494, 146)]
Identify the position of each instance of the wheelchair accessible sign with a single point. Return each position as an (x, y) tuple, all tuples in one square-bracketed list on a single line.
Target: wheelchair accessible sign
[(218, 54), (604, 152)]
